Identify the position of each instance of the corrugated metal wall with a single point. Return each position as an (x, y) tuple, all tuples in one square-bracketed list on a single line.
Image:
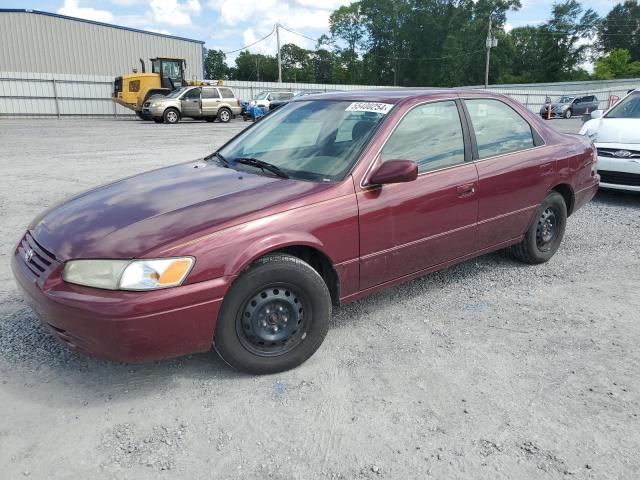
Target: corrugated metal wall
[(43, 43), (39, 94)]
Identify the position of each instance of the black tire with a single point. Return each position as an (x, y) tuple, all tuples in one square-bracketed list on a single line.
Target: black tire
[(545, 235), (568, 113), (158, 120), (300, 306), (224, 115), (171, 116), (210, 119)]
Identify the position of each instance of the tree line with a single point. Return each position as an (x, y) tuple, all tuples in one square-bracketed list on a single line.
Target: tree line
[(442, 43)]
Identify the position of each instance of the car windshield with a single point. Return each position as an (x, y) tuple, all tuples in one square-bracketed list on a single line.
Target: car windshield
[(176, 93), (261, 96), (310, 140), (629, 107), (564, 99)]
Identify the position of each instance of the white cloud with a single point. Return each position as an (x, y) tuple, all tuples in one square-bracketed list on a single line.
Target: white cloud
[(73, 9), (174, 12), (508, 27)]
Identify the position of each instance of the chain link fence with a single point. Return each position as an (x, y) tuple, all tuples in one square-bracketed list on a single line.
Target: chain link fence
[(53, 95)]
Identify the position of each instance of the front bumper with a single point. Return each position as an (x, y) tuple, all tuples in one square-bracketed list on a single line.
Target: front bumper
[(123, 326), (155, 112), (619, 174)]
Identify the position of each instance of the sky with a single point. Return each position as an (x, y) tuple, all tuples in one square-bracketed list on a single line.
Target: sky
[(229, 25)]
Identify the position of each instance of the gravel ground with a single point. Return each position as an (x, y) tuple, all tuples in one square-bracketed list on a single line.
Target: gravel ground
[(487, 370)]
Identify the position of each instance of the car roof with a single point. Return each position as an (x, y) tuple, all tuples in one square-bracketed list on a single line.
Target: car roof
[(391, 95)]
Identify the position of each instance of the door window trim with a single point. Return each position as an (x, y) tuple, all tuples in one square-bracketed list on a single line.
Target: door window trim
[(466, 137)]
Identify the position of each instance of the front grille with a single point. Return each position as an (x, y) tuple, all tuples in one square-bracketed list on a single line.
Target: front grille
[(619, 178), (37, 259), (611, 153)]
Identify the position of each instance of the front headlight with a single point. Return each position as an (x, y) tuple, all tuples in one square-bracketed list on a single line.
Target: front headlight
[(128, 274)]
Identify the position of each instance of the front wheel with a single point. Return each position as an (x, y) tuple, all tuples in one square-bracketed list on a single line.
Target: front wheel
[(543, 238), (274, 317), (171, 115)]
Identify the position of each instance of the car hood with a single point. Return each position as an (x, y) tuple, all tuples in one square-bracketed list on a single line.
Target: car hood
[(129, 217), (613, 130)]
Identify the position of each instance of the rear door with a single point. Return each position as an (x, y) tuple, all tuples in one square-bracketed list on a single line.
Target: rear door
[(408, 227), (512, 174), (190, 103), (210, 101)]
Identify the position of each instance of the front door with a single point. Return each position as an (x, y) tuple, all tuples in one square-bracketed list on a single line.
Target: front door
[(513, 180), (409, 227), (190, 103)]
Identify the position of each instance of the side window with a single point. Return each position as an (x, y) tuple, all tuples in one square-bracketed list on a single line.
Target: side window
[(498, 128), (191, 94), (430, 135), (209, 93), (226, 93)]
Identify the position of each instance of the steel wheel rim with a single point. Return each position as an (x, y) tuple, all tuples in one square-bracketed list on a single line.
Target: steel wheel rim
[(547, 229), (272, 320)]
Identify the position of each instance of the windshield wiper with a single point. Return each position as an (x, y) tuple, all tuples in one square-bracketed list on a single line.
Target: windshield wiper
[(254, 162), (219, 156)]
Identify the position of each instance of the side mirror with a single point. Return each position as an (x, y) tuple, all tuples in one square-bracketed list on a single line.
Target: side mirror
[(394, 171), (596, 114)]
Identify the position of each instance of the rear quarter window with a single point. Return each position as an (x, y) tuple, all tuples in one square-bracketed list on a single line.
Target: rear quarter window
[(226, 93)]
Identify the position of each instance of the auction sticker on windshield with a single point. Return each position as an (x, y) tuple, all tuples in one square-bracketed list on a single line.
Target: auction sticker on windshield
[(369, 107)]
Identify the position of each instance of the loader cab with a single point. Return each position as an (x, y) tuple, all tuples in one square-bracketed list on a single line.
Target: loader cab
[(171, 72)]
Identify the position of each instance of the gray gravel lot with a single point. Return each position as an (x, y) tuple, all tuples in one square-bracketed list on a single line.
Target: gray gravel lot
[(487, 370)]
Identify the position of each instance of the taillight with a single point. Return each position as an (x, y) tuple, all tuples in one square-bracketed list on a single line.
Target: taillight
[(238, 101)]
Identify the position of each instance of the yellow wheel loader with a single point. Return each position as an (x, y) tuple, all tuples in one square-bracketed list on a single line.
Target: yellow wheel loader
[(133, 89)]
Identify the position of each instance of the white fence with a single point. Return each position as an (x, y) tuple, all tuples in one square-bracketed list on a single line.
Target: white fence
[(35, 95)]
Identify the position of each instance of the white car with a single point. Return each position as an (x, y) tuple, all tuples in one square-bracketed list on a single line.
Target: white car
[(264, 99), (616, 135)]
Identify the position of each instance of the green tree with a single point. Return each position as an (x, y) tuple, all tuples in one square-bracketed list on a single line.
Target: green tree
[(617, 64), (347, 24), (215, 65), (621, 29), (250, 66)]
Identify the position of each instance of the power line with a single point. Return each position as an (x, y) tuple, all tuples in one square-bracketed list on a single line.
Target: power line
[(252, 44), (299, 34)]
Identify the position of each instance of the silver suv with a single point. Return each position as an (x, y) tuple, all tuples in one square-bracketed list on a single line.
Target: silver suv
[(205, 102)]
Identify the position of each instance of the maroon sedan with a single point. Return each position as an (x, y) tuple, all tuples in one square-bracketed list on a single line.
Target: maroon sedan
[(326, 200)]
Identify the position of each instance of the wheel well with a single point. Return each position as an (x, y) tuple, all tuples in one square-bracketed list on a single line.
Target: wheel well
[(566, 192), (320, 263)]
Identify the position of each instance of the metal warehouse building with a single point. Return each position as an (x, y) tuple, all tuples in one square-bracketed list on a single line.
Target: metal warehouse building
[(40, 42)]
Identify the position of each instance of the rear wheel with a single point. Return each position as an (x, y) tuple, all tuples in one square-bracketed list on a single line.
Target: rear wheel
[(210, 119), (171, 115), (274, 317), (224, 115), (568, 113), (543, 238)]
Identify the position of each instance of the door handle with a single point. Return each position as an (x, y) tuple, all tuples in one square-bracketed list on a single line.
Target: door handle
[(546, 169), (466, 190)]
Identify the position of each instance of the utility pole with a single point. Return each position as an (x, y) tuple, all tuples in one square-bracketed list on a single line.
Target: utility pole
[(279, 58), (490, 43)]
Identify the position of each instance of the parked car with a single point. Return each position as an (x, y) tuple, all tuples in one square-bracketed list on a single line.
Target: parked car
[(565, 106), (616, 134), (206, 102), (264, 99), (275, 104), (325, 201)]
